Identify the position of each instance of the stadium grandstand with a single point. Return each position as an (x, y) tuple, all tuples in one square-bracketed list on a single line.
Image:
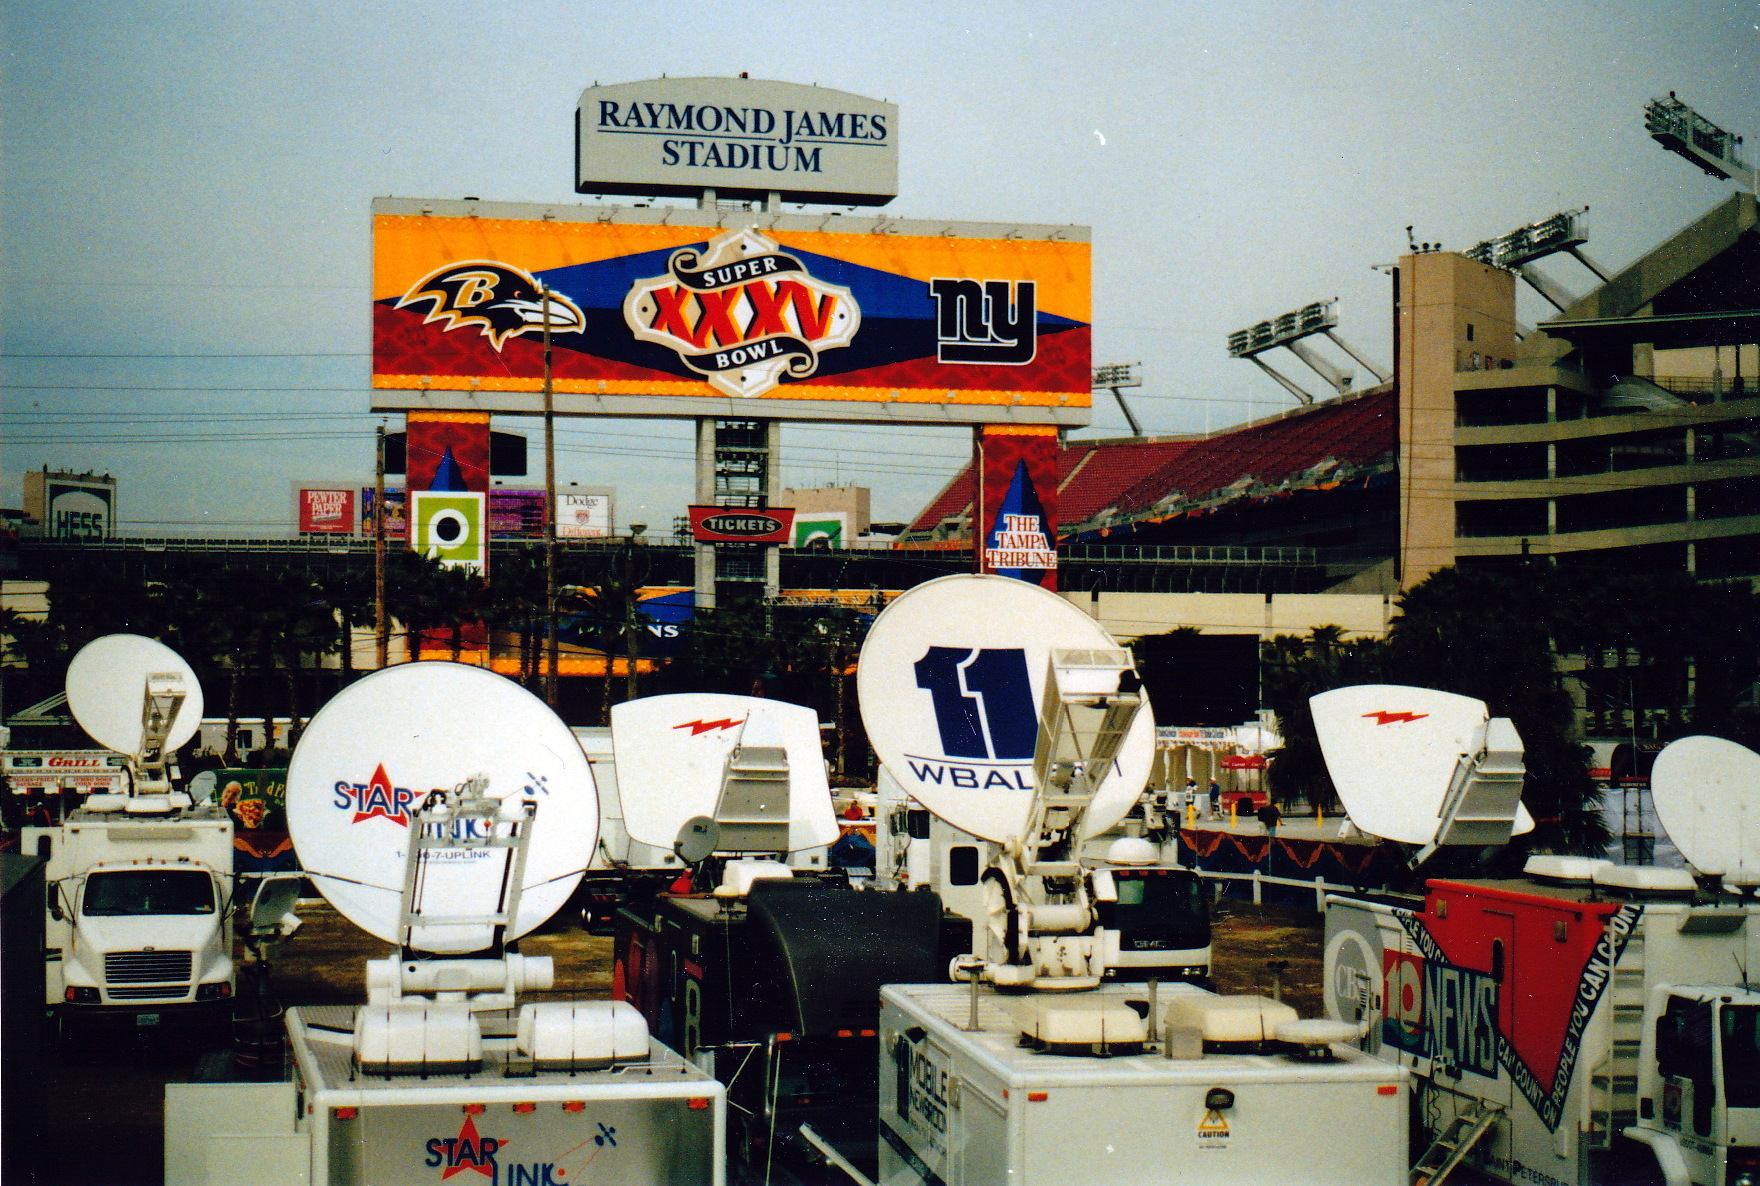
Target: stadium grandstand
[(1318, 478)]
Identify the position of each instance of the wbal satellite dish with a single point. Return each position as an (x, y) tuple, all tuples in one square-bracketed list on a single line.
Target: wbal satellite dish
[(672, 752), (1707, 796), (373, 753), (1392, 751), (107, 680), (951, 681)]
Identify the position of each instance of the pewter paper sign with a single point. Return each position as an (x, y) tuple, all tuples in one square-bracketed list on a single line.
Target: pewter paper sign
[(375, 751), (951, 681), (672, 751)]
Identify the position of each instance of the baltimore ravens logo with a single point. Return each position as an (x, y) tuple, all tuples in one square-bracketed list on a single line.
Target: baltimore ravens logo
[(502, 301)]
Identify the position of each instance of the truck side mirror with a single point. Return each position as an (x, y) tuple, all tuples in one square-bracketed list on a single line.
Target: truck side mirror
[(52, 899)]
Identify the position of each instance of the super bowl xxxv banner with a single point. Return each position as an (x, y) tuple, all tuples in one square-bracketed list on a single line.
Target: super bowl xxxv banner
[(791, 312)]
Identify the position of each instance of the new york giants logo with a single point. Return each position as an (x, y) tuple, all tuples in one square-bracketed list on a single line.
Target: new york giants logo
[(977, 321)]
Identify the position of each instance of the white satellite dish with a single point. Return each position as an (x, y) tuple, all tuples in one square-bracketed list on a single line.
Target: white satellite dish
[(202, 786), (107, 680), (1707, 796), (375, 751), (1393, 750), (672, 751), (951, 682)]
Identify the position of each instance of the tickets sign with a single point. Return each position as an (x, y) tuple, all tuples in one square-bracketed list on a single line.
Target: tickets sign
[(686, 313), (735, 525)]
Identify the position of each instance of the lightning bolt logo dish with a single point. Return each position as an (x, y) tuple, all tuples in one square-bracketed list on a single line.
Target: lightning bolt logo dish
[(1394, 718), (698, 728)]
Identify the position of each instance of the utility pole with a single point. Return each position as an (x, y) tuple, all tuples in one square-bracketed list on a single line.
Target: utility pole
[(550, 645), (381, 632), (632, 624)]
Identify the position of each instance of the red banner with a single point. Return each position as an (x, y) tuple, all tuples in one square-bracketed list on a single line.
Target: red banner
[(326, 512), (455, 442), (1243, 761), (742, 526), (1017, 503)]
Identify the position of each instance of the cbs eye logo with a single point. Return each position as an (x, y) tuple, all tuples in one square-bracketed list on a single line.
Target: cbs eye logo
[(451, 527)]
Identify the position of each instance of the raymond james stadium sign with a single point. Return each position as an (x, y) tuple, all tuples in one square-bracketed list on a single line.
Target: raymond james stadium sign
[(742, 138)]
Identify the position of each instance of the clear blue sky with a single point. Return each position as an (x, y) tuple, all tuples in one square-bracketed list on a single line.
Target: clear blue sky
[(184, 189)]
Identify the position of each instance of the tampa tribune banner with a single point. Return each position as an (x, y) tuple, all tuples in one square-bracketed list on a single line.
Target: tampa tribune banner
[(1017, 503), (758, 312)]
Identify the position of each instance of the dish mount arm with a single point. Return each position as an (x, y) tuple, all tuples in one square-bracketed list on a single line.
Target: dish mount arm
[(456, 837), (1041, 901), (161, 700), (1484, 794)]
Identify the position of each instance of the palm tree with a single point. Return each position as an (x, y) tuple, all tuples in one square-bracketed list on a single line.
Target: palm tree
[(516, 605), (1487, 633)]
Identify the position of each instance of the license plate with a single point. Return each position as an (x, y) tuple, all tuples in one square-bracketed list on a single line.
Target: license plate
[(146, 1019)]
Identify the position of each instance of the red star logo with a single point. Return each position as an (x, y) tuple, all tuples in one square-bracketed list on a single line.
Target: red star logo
[(472, 1152), (379, 799)]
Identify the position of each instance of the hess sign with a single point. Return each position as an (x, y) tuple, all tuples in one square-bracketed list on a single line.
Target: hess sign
[(737, 525)]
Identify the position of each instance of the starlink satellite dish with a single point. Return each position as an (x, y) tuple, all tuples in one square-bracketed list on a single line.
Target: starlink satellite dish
[(672, 754), (110, 677), (1421, 766), (373, 754), (951, 682), (1707, 796)]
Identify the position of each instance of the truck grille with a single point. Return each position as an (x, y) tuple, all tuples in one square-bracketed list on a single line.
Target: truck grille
[(150, 992), (139, 967)]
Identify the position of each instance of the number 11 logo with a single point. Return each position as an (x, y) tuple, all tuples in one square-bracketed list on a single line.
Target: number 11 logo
[(983, 701)]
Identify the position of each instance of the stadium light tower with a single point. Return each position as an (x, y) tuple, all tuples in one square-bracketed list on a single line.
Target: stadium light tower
[(1516, 252), (1288, 331), (1116, 376), (1680, 129)]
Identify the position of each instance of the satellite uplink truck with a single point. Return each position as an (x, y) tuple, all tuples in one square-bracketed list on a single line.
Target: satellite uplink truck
[(1584, 1023), (770, 973), (139, 885), (1013, 716), (447, 811)]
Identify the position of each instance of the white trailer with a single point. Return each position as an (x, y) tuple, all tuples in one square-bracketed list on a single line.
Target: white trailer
[(623, 1114), (1520, 1006), (1205, 1094)]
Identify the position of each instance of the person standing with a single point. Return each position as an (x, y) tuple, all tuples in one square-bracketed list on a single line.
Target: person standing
[(1270, 817), (1215, 799)]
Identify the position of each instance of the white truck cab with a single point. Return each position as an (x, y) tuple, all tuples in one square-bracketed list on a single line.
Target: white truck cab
[(1699, 1084), (139, 893)]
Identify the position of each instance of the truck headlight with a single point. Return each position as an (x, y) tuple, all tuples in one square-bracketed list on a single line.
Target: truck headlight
[(213, 992), (80, 994)]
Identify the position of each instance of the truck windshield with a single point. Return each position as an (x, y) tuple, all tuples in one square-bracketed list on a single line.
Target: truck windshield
[(148, 891), (1741, 1055), (1159, 908)]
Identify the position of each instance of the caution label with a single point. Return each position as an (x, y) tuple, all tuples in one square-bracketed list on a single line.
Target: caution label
[(1212, 1132)]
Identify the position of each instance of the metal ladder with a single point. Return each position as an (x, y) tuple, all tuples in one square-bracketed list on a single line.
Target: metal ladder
[(1452, 1144)]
